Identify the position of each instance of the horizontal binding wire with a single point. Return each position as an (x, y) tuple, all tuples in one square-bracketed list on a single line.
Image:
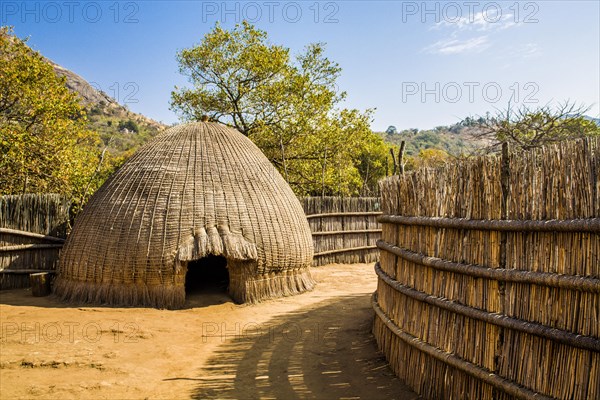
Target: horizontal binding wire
[(573, 282), (325, 233), (324, 253), (532, 328), (452, 360), (31, 234), (553, 225), (345, 214), (26, 271), (20, 247)]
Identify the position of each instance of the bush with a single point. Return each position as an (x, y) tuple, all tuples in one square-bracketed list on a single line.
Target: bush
[(130, 125)]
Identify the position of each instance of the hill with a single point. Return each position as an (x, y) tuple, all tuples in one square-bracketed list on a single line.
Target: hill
[(457, 139), (122, 131)]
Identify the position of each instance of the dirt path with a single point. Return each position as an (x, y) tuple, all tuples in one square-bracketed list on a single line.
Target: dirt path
[(316, 345)]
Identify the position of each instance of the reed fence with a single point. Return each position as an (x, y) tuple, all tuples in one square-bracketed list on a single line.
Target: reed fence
[(489, 276), (32, 230), (344, 230)]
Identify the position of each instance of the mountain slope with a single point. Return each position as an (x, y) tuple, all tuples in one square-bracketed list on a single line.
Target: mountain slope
[(122, 131)]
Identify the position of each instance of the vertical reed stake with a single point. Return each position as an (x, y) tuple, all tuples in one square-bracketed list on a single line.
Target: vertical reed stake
[(505, 183)]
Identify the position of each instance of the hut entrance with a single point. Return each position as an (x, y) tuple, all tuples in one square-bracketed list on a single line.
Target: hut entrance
[(207, 275)]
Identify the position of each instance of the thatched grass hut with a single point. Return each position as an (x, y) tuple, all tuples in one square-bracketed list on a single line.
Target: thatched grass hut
[(196, 193)]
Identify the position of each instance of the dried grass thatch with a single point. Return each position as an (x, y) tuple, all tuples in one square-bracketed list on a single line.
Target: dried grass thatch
[(196, 190), (489, 280)]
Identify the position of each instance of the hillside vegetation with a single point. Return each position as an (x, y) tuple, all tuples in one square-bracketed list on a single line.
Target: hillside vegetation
[(456, 140), (121, 130)]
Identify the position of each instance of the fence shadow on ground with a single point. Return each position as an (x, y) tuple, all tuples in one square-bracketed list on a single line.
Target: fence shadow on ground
[(326, 352)]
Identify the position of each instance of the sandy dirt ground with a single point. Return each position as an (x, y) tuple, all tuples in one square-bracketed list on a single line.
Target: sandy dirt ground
[(315, 345)]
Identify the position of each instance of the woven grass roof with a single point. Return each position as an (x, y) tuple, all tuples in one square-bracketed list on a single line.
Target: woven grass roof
[(197, 189)]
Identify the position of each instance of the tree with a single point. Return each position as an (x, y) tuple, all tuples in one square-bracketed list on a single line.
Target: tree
[(430, 158), (526, 128), (288, 107), (44, 143), (391, 130)]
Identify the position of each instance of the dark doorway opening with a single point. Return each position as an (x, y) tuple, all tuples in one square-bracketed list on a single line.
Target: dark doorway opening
[(207, 275)]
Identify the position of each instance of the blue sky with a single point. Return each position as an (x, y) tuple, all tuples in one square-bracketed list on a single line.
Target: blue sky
[(420, 64)]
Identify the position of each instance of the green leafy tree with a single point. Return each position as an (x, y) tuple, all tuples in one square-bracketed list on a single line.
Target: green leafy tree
[(288, 107), (431, 158), (44, 143)]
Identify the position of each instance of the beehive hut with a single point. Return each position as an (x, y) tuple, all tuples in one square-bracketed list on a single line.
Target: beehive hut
[(194, 193)]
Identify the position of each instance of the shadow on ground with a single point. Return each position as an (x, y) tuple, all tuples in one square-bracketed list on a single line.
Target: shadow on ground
[(199, 298), (324, 352)]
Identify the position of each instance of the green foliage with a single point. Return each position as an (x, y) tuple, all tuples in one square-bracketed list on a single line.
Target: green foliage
[(109, 123), (288, 107), (430, 158), (130, 125), (455, 139), (45, 145)]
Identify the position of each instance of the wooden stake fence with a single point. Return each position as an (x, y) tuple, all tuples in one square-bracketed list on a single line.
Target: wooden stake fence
[(32, 230), (345, 230)]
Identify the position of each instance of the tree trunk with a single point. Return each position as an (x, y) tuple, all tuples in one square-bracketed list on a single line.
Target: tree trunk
[(323, 174)]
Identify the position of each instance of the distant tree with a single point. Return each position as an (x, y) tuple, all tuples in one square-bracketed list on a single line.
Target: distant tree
[(411, 131), (428, 139), (526, 128), (431, 158), (391, 130), (45, 145)]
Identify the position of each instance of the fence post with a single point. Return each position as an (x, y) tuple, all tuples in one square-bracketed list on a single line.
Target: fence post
[(401, 157), (394, 161), (40, 284), (505, 184)]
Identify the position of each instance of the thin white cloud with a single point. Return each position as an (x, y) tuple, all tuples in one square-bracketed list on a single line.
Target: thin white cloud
[(513, 54), (456, 46), (479, 22), (474, 32), (529, 50)]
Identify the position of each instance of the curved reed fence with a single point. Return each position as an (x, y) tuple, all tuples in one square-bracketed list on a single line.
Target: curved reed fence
[(344, 230), (32, 230), (489, 277)]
